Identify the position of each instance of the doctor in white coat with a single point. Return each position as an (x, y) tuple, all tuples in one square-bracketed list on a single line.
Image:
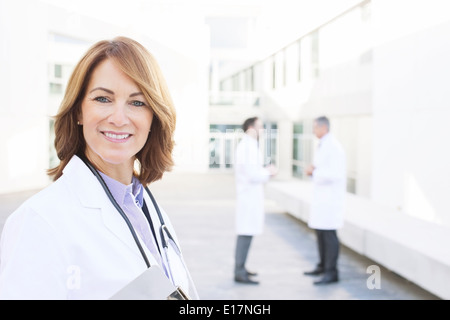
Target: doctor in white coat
[(70, 241), (327, 206), (250, 176)]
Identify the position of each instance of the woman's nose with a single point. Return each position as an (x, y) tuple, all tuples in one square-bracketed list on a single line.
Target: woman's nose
[(119, 116)]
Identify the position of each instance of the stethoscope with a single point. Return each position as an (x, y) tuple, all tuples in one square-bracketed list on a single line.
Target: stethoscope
[(165, 235)]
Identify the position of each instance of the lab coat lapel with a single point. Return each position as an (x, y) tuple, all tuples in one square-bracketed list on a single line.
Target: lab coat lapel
[(91, 195)]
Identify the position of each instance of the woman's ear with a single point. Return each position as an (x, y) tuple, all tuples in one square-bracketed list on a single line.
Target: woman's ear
[(79, 118)]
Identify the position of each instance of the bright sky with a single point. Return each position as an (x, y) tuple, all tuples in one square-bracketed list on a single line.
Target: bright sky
[(281, 12), (274, 22)]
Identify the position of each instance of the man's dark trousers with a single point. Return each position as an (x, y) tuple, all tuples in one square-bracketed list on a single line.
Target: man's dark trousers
[(328, 245)]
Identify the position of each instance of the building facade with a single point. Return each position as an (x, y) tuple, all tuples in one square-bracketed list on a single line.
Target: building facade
[(378, 70), (41, 41)]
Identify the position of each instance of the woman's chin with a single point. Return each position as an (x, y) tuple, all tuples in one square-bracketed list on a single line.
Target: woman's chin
[(116, 159)]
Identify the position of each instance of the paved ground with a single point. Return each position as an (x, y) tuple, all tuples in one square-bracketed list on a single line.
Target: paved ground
[(201, 207)]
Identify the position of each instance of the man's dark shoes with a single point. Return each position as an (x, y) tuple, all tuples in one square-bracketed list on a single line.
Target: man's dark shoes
[(245, 280), (314, 272), (327, 279), (251, 273)]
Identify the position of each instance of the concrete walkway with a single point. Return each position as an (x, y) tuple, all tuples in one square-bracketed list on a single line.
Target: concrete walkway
[(201, 207)]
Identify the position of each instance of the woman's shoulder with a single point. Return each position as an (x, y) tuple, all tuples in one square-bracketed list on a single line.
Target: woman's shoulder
[(43, 201)]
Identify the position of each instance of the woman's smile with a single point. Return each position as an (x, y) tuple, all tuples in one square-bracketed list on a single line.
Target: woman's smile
[(117, 137), (116, 118)]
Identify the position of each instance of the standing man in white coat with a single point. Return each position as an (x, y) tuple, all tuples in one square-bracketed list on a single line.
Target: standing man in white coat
[(251, 175), (327, 207)]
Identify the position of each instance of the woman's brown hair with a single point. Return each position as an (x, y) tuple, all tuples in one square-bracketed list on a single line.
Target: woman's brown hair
[(135, 61)]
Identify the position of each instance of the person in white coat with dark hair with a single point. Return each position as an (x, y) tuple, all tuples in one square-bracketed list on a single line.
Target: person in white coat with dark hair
[(251, 175), (326, 214)]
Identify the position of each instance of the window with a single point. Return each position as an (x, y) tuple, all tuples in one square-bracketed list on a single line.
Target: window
[(274, 69), (297, 169), (284, 68), (315, 54), (251, 79), (55, 88), (269, 139), (302, 149), (223, 140), (248, 74), (235, 82), (57, 74), (58, 71)]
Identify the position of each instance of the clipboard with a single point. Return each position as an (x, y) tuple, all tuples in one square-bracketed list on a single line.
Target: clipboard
[(152, 284)]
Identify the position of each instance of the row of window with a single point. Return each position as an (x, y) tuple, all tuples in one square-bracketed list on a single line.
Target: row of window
[(223, 141), (58, 75), (245, 80), (303, 59)]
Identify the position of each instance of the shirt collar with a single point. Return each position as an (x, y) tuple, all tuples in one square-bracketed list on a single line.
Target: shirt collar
[(324, 138), (120, 190), (138, 191), (251, 139)]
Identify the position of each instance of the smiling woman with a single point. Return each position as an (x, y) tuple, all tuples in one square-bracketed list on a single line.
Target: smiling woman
[(92, 231), (99, 79), (115, 123)]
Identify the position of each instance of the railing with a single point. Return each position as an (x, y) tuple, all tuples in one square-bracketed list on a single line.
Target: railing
[(222, 147)]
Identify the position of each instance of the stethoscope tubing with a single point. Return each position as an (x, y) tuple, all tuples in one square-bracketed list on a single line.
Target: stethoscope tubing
[(162, 229)]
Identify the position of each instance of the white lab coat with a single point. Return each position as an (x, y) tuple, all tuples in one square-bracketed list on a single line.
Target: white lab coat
[(250, 176), (69, 242), (329, 185)]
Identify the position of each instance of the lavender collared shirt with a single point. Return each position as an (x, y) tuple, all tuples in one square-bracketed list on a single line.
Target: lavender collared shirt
[(131, 199)]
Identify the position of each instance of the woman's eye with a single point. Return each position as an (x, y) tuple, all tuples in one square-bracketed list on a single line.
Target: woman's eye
[(101, 99), (137, 103)]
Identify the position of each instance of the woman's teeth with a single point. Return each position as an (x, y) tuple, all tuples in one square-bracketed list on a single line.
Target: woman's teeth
[(116, 136)]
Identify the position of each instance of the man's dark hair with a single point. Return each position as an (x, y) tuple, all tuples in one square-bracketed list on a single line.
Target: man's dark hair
[(249, 123)]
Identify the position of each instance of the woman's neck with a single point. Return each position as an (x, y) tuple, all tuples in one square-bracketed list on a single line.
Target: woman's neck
[(122, 172)]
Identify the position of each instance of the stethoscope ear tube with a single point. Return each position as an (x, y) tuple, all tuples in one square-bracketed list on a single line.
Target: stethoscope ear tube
[(163, 229)]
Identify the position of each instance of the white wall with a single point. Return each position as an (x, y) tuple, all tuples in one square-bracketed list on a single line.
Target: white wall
[(411, 108), (383, 82), (342, 91), (23, 88), (26, 106)]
